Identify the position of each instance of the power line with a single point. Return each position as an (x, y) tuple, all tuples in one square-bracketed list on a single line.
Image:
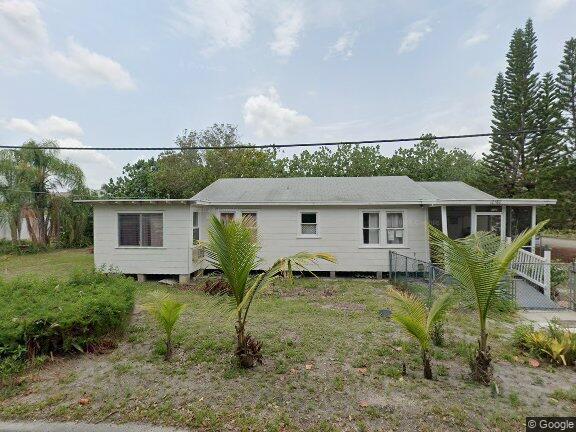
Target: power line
[(317, 144)]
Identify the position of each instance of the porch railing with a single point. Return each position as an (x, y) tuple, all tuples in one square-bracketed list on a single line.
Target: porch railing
[(534, 268)]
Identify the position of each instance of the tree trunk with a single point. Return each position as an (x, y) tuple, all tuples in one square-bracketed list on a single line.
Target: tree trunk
[(168, 353), (427, 364), (482, 364)]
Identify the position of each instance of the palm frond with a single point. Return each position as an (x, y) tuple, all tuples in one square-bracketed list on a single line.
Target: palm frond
[(410, 312), (438, 310)]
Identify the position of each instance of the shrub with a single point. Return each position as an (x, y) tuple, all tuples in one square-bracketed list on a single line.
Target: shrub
[(166, 311), (42, 316), (22, 247), (553, 343)]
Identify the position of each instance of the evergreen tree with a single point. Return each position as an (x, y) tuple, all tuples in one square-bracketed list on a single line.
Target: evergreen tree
[(514, 109), (567, 91), (547, 147), (499, 161)]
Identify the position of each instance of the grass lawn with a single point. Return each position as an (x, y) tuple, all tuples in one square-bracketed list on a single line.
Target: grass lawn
[(330, 364), (57, 263)]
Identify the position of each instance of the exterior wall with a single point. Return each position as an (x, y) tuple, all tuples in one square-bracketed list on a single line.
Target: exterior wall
[(172, 258), (339, 234)]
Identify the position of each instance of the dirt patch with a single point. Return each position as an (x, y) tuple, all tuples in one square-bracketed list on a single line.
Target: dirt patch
[(347, 307)]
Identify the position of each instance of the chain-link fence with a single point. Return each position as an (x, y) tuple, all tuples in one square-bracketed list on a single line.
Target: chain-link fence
[(428, 279)]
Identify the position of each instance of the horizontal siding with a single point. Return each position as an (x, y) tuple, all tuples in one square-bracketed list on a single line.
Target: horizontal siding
[(340, 235), (172, 258)]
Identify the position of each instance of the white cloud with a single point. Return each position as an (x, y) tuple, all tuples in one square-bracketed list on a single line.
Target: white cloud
[(414, 36), (97, 166), (84, 67), (48, 127), (221, 23), (343, 46), (269, 119), (476, 39), (24, 41), (548, 8), (291, 22)]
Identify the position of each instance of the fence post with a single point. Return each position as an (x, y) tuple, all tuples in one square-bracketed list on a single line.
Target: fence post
[(406, 273), (547, 273), (572, 285), (390, 265)]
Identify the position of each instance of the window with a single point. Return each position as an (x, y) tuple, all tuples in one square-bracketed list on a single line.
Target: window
[(251, 220), (395, 228), (309, 224), (140, 229), (227, 216), (489, 223), (195, 228), (371, 228)]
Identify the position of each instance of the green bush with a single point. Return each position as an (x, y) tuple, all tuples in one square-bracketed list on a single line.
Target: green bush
[(43, 316), (553, 343), (22, 247)]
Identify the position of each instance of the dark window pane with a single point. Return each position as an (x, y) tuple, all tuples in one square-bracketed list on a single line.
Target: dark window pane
[(129, 230), (195, 219), (488, 209), (435, 217), (459, 221), (152, 229), (308, 218), (195, 235), (489, 223), (226, 217)]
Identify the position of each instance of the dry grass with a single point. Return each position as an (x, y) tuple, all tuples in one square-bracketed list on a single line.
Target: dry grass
[(331, 364)]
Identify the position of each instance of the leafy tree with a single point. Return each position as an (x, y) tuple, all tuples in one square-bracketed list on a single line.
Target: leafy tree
[(427, 161), (137, 181), (567, 90), (478, 263), (232, 250), (411, 312), (13, 193), (166, 311), (45, 175)]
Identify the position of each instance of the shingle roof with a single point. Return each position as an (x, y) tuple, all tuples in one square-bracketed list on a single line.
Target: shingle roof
[(455, 190), (323, 190)]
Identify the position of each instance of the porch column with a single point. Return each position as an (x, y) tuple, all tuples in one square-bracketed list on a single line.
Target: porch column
[(472, 219), (503, 223), (444, 220), (533, 223)]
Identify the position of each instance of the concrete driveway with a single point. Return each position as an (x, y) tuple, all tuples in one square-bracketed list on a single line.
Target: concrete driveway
[(80, 427)]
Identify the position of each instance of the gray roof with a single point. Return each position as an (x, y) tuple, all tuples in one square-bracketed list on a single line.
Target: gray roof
[(325, 190), (455, 190)]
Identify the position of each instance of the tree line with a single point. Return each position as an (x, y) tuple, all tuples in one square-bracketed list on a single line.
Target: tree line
[(525, 165), (37, 189), (37, 186)]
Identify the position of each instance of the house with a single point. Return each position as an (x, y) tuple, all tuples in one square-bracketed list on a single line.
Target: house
[(357, 219)]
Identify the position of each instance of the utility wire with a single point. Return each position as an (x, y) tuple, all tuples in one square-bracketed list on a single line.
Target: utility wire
[(317, 144)]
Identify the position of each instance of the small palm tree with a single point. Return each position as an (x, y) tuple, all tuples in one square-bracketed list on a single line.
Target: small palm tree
[(233, 249), (411, 312), (166, 311), (479, 264)]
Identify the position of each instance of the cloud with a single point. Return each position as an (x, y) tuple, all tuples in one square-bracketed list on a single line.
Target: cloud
[(84, 67), (221, 23), (97, 166), (343, 46), (414, 36), (269, 119), (476, 39), (291, 22), (47, 127), (24, 41), (548, 8)]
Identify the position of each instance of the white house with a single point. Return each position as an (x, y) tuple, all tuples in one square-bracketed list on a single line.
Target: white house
[(357, 219)]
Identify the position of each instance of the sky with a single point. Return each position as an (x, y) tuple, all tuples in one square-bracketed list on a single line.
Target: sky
[(109, 73)]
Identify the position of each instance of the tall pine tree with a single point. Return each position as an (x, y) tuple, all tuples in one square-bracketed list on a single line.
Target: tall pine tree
[(547, 147), (508, 162), (567, 91)]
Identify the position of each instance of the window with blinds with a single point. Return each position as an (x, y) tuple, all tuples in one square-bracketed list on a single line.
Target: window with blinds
[(140, 229)]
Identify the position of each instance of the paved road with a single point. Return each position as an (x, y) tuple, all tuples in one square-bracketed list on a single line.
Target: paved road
[(558, 242), (81, 427)]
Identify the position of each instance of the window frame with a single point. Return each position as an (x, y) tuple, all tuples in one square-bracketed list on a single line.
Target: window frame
[(139, 213), (299, 224), (383, 240), (386, 212), (195, 227), (362, 228)]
